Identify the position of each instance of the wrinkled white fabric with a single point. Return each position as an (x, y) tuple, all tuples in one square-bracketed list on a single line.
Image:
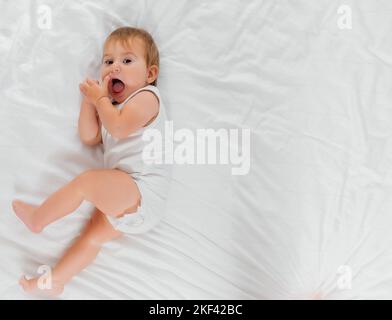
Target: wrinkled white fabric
[(316, 204)]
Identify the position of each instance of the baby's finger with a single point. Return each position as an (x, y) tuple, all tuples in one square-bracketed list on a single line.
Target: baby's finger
[(105, 81)]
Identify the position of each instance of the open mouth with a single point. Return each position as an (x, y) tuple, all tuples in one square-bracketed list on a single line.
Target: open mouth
[(117, 86)]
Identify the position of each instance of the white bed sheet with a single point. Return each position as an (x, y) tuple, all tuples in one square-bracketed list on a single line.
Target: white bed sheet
[(317, 101)]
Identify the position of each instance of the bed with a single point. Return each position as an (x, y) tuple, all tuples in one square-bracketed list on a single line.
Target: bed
[(312, 217)]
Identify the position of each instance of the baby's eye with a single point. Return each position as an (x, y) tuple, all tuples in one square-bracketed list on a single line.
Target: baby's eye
[(126, 61), (108, 61)]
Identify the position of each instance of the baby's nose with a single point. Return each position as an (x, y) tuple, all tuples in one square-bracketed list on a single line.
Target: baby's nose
[(116, 68)]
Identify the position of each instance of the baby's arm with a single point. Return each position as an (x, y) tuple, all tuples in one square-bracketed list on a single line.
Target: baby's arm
[(89, 124)]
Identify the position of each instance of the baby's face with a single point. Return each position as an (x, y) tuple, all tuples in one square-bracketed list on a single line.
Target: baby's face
[(126, 66)]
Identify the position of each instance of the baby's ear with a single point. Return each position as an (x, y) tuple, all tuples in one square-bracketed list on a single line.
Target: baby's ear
[(152, 73)]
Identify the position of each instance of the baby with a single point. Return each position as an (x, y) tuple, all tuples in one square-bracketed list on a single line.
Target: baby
[(128, 194)]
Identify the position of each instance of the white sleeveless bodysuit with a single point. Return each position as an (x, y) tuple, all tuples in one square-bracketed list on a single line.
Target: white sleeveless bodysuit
[(153, 180)]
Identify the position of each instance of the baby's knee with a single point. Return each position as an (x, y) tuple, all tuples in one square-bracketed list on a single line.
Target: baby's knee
[(36, 227), (93, 239), (92, 234), (99, 230)]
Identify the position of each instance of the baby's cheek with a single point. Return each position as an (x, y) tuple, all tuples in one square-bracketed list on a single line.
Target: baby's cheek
[(104, 72)]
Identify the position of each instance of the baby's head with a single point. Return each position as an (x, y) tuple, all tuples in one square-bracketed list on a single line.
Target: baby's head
[(131, 57)]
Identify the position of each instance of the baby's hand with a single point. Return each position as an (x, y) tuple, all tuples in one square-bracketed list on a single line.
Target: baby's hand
[(93, 91)]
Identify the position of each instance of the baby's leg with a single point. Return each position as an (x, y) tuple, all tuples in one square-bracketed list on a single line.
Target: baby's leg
[(78, 256), (112, 191)]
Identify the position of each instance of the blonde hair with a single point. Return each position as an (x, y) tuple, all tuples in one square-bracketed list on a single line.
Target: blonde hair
[(124, 34)]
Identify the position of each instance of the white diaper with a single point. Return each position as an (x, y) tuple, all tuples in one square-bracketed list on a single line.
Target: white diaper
[(128, 221), (148, 214)]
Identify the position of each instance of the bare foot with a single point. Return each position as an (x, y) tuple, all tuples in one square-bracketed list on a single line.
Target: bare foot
[(31, 286), (25, 212)]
